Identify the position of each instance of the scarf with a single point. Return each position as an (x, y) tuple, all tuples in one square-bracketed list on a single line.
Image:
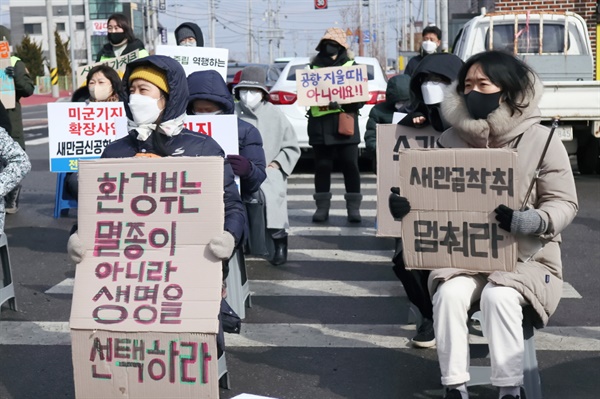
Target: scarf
[(169, 128)]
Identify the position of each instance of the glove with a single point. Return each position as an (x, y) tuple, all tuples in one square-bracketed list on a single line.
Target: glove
[(399, 206), (10, 71), (75, 249), (334, 105), (520, 222), (222, 246), (240, 165)]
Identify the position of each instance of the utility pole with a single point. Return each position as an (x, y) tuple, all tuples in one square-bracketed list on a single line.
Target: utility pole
[(154, 24), (52, 50), (147, 30), (412, 25), (88, 31), (250, 49), (71, 47), (270, 32), (213, 20), (361, 50), (425, 13), (444, 23), (438, 7)]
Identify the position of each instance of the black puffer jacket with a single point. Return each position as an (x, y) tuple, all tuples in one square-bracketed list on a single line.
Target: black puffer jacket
[(186, 143)]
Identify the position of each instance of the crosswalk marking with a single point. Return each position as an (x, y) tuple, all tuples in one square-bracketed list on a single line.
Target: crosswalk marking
[(332, 212), (331, 231), (287, 335), (334, 198), (311, 186)]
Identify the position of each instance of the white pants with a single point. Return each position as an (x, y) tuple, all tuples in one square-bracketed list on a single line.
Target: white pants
[(502, 317)]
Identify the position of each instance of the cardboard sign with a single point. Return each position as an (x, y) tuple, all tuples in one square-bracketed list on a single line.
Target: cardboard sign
[(198, 58), (118, 64), (78, 131), (391, 139), (453, 194), (345, 84), (7, 83), (109, 364)]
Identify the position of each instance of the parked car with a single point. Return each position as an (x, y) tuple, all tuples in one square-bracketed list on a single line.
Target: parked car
[(283, 94), (234, 70)]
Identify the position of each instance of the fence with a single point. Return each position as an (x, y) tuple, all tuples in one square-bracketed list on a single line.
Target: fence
[(43, 84)]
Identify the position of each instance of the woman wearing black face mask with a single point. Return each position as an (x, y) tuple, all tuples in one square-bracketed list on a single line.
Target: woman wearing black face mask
[(121, 40), (323, 134)]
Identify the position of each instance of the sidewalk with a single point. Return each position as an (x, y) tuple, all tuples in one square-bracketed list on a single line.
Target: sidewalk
[(39, 99)]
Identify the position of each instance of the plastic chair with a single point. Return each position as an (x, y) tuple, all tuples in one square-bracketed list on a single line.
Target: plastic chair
[(223, 374), (480, 375), (7, 292), (238, 290), (63, 201)]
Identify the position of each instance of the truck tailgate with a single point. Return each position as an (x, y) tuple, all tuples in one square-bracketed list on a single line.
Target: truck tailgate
[(574, 100)]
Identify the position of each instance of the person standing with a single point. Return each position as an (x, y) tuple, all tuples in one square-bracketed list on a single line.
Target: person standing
[(281, 149), (323, 134), (494, 104), (24, 87), (432, 38), (121, 40), (189, 34)]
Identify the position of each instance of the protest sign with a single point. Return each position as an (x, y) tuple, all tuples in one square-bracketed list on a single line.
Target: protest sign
[(453, 194), (118, 64), (79, 131), (198, 58), (222, 128), (7, 83), (391, 139), (147, 294), (344, 85)]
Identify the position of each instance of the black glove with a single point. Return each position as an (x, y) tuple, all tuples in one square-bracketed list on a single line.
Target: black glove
[(520, 222), (334, 105), (399, 206), (10, 71)]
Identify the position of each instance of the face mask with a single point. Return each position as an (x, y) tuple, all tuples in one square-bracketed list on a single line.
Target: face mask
[(330, 49), (433, 92), (250, 98), (481, 105), (189, 43), (428, 47), (219, 112), (144, 109), (116, 37), (100, 92)]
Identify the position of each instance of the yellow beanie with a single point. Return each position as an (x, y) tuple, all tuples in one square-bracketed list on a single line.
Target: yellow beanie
[(152, 75)]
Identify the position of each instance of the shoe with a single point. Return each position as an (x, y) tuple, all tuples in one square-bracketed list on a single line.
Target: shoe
[(425, 337), (353, 206), (12, 200), (453, 394), (323, 201), (281, 251)]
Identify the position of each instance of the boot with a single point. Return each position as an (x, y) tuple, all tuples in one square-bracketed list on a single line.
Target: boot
[(280, 239), (353, 206), (11, 200), (323, 201)]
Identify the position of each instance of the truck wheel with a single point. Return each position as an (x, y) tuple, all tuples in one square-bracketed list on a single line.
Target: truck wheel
[(587, 156)]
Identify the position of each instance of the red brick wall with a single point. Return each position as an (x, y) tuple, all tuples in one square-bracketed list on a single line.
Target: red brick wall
[(585, 8)]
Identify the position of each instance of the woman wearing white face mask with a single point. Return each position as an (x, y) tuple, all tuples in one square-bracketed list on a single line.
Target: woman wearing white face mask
[(189, 34), (280, 147)]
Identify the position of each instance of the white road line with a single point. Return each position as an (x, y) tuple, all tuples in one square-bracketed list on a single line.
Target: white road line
[(42, 140), (332, 212), (34, 127), (284, 335), (323, 255), (317, 288), (363, 186), (331, 231), (335, 198), (335, 175)]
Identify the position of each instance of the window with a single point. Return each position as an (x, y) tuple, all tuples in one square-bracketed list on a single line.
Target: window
[(528, 39), (33, 29), (60, 26), (79, 25)]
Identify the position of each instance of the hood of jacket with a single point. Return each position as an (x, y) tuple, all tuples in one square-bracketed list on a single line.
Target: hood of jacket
[(81, 95), (178, 89), (197, 32), (500, 127), (209, 85), (398, 89), (443, 64)]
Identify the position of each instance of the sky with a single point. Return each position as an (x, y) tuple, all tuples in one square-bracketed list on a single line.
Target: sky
[(301, 24)]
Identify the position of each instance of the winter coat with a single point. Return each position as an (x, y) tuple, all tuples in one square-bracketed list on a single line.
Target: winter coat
[(412, 64), (14, 166), (197, 32), (4, 118), (24, 87), (107, 51), (540, 279), (209, 85), (397, 91), (323, 130), (281, 146), (186, 143)]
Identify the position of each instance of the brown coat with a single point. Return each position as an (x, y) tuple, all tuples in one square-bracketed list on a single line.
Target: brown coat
[(539, 279)]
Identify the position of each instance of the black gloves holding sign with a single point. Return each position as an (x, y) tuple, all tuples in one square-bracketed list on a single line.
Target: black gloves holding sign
[(399, 206), (520, 222)]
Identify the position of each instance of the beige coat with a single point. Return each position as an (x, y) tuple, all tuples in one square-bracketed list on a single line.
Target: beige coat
[(554, 197)]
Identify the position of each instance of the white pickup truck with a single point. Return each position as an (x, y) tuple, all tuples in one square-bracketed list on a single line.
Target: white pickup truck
[(564, 62)]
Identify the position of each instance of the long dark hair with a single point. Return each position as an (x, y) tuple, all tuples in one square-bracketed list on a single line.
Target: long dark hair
[(514, 78), (123, 23), (110, 74)]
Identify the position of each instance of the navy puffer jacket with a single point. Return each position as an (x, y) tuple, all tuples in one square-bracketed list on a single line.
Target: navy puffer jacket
[(186, 143), (209, 85)]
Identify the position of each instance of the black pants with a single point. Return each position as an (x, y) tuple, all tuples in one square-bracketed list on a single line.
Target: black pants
[(347, 156), (414, 283)]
